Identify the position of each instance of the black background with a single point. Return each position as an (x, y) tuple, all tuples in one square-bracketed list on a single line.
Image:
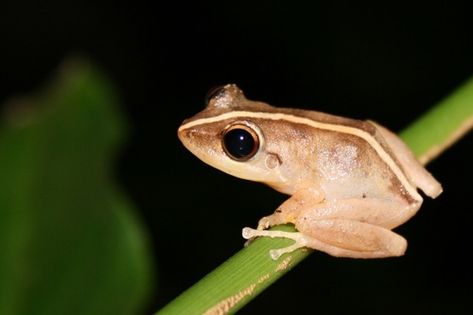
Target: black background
[(386, 62)]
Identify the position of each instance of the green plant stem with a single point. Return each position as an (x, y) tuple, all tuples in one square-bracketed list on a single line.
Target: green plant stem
[(442, 125), (243, 276)]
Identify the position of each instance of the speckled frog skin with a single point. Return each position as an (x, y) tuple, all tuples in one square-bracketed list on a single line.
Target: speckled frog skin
[(350, 182)]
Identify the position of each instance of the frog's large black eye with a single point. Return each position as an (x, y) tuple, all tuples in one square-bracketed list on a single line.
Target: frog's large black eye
[(213, 92), (240, 142)]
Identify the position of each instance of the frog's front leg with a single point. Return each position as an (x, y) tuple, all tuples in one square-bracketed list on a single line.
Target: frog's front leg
[(290, 209), (300, 240)]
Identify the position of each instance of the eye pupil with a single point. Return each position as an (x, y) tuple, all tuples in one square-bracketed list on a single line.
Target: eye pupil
[(240, 144)]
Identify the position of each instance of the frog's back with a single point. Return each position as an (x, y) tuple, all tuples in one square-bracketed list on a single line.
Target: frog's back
[(346, 150)]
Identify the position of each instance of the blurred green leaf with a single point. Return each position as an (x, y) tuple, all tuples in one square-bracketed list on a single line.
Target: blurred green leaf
[(69, 240)]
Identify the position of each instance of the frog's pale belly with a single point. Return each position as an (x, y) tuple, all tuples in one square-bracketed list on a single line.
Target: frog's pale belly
[(342, 175), (357, 187), (349, 168)]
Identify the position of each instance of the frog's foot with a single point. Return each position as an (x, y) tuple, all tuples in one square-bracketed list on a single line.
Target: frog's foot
[(299, 239)]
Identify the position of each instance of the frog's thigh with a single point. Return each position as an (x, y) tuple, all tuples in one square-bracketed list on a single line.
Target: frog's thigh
[(381, 212), (348, 238)]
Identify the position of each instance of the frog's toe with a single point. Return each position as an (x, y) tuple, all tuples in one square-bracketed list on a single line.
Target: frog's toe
[(276, 253), (263, 223), (248, 233)]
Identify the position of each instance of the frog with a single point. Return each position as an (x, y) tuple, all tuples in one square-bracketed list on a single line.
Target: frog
[(350, 182)]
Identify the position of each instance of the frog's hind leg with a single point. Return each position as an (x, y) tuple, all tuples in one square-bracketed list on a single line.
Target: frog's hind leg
[(339, 238), (350, 238), (299, 240)]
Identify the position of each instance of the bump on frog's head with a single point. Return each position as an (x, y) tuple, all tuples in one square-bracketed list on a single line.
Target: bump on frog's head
[(224, 97), (227, 98)]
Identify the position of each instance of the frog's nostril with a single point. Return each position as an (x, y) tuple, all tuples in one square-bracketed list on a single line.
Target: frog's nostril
[(191, 133)]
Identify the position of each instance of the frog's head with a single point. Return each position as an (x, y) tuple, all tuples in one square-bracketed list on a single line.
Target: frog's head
[(227, 135)]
